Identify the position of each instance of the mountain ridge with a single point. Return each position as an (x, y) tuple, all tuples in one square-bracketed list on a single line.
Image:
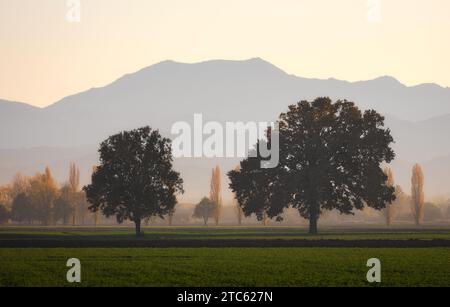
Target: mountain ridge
[(256, 59)]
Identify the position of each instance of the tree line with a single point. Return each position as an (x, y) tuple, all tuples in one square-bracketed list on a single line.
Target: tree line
[(331, 157), (40, 200)]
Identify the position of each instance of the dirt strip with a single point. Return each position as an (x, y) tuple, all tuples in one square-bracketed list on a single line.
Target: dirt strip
[(27, 243)]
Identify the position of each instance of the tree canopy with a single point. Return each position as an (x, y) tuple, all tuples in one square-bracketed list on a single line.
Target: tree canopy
[(330, 157), (135, 179), (205, 209)]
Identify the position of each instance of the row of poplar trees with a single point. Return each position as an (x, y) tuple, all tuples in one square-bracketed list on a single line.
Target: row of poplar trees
[(417, 198)]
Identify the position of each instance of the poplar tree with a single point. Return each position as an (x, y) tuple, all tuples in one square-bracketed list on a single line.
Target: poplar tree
[(417, 194)]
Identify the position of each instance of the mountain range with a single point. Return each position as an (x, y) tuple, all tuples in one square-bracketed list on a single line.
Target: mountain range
[(249, 90)]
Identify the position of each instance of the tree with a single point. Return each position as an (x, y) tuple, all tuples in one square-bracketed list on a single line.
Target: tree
[(5, 196), (73, 189), (4, 214), (432, 212), (19, 185), (204, 210), (390, 210), (135, 179), (330, 157), (64, 208), (22, 209), (43, 194), (170, 216), (236, 207), (82, 206), (215, 193), (417, 195)]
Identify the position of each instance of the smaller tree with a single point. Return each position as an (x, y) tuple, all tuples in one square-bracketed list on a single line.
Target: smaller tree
[(432, 212), (43, 194), (73, 187), (417, 195), (20, 184), (216, 193), (205, 209), (22, 209), (82, 207), (64, 208), (390, 210), (5, 196), (135, 179), (4, 214)]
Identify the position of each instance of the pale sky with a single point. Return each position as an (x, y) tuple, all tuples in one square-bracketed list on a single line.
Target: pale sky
[(43, 57)]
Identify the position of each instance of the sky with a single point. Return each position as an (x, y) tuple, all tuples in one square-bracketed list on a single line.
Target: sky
[(45, 56)]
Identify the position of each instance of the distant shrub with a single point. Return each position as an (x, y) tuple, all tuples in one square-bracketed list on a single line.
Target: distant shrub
[(432, 212), (4, 214)]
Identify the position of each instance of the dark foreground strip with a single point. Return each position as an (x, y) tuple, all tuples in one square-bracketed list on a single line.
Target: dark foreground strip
[(223, 243)]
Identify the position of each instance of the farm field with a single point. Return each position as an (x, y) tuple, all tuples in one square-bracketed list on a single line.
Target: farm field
[(110, 237), (222, 233), (224, 256), (225, 266)]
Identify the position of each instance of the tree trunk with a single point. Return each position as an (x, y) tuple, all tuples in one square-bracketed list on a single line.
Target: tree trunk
[(313, 217), (137, 223)]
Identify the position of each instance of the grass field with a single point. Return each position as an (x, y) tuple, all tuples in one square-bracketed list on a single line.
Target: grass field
[(221, 233), (223, 266)]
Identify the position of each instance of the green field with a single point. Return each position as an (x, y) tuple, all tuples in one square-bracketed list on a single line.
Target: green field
[(218, 233), (225, 266), (192, 265)]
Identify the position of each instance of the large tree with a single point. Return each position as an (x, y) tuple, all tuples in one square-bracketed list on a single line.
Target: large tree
[(135, 179), (330, 157)]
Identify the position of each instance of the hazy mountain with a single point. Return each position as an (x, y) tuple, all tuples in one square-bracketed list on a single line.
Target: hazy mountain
[(222, 90), (423, 140), (159, 95)]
